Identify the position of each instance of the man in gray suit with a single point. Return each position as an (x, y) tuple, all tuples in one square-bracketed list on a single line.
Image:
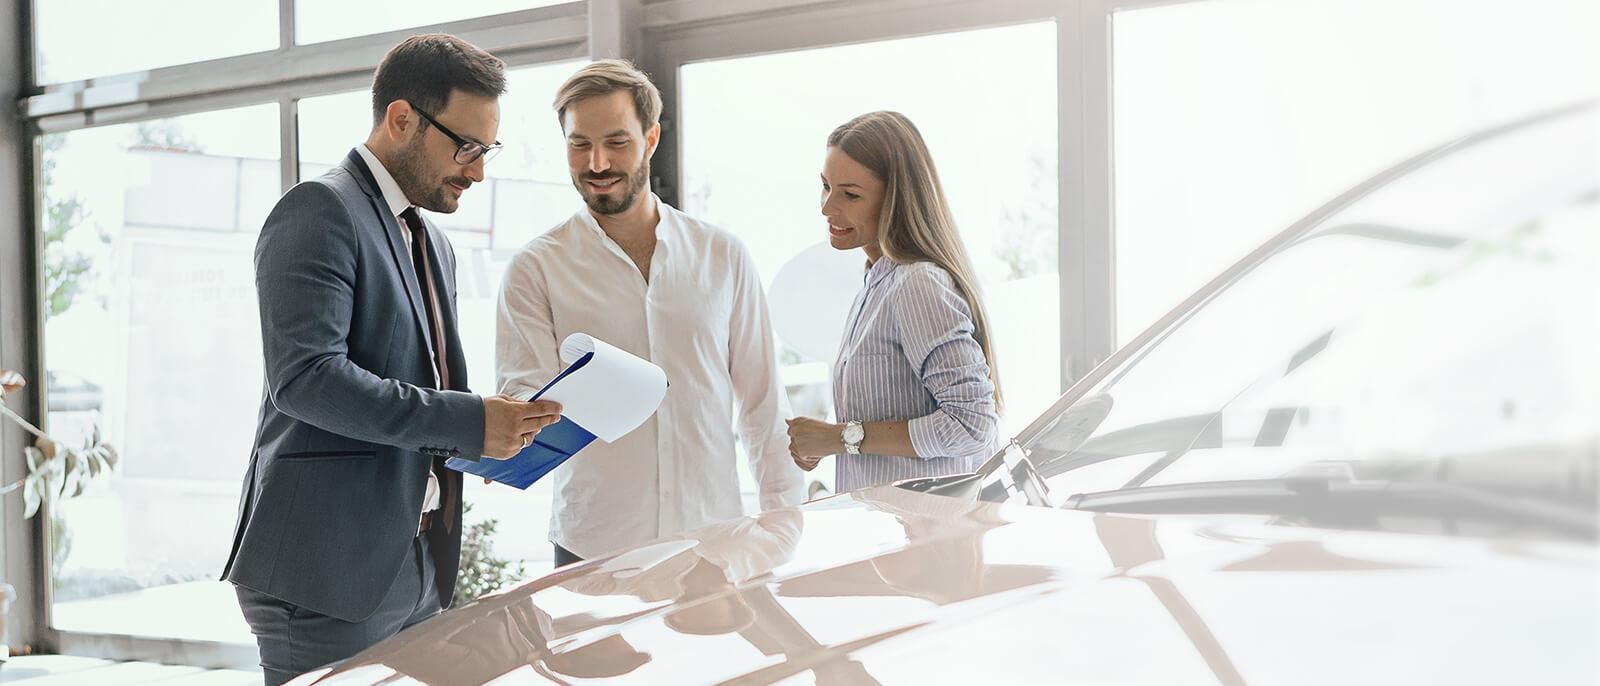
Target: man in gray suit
[(349, 525)]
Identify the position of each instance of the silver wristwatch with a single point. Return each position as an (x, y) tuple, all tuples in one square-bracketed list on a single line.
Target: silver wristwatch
[(854, 434)]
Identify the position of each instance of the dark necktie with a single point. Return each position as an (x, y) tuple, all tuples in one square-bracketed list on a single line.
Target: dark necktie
[(430, 302), (430, 294)]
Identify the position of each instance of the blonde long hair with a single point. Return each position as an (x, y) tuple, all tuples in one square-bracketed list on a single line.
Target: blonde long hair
[(915, 224)]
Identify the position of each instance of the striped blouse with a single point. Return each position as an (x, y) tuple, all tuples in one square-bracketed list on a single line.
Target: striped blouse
[(908, 353)]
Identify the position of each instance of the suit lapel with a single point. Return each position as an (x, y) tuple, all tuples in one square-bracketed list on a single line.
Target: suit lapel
[(397, 246)]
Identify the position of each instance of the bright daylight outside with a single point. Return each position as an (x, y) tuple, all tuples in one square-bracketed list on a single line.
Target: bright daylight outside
[(152, 335), (147, 229), (149, 256), (1217, 149), (985, 102)]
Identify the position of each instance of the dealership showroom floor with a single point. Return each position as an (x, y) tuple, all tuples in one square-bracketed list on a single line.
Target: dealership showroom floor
[(897, 341), (64, 670)]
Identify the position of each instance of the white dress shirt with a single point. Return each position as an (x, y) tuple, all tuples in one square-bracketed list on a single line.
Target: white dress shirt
[(397, 202), (703, 319)]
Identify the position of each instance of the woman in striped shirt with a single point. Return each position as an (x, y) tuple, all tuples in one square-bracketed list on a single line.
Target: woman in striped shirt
[(914, 385)]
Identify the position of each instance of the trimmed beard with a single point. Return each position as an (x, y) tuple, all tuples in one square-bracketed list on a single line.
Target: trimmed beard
[(633, 188), (410, 168)]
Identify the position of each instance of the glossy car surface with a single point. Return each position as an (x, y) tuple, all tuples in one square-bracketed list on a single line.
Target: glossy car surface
[(1367, 453)]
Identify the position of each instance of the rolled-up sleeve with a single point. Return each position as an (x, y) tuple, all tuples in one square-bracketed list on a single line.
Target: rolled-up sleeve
[(936, 336)]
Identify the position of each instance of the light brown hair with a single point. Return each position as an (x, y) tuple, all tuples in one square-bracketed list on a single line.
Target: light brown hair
[(915, 224), (604, 77)]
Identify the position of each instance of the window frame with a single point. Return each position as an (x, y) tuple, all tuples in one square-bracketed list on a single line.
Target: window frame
[(282, 77), (659, 35)]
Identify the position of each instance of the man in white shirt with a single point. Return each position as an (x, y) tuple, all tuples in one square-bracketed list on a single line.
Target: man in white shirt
[(651, 280)]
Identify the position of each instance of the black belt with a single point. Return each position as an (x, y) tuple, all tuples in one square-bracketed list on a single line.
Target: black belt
[(426, 523)]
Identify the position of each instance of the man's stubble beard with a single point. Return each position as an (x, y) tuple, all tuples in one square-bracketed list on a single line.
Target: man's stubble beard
[(410, 172), (633, 187)]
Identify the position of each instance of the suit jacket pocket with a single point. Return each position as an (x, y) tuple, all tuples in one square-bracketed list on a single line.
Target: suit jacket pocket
[(317, 455)]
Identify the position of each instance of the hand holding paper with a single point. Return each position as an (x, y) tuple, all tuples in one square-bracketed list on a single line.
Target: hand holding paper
[(604, 391), (509, 425)]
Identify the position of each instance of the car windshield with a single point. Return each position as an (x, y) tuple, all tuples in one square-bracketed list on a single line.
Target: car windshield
[(1444, 327)]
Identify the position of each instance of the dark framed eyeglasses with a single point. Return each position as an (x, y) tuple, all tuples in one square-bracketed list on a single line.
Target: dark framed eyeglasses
[(467, 151)]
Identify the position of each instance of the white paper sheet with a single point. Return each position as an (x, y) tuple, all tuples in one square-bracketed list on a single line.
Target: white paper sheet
[(610, 395)]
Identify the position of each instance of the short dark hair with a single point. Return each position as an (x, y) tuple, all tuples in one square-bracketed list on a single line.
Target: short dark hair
[(422, 70)]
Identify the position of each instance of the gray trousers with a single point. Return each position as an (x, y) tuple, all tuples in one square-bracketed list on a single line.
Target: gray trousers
[(294, 640), (565, 557)]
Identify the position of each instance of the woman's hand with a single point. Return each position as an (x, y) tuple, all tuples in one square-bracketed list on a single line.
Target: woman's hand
[(10, 382), (811, 440)]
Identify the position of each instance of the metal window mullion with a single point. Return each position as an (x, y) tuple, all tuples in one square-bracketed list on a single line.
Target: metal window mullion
[(1088, 302), (288, 142), (305, 88), (667, 165), (1097, 297), (730, 32), (615, 29), (24, 558), (1071, 228), (672, 14), (28, 13), (285, 24), (1113, 6), (514, 36)]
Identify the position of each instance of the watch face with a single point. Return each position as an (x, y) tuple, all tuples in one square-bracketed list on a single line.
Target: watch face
[(853, 433)]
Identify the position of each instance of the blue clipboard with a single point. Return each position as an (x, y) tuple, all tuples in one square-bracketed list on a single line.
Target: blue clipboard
[(553, 445)]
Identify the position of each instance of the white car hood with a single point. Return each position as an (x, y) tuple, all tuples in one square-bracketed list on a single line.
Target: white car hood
[(885, 585)]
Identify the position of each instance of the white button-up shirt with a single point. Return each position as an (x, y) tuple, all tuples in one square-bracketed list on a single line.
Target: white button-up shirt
[(397, 202), (703, 319)]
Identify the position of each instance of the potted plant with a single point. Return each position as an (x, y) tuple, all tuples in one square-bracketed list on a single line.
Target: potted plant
[(55, 472)]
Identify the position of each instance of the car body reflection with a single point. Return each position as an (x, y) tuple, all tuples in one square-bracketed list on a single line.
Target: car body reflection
[(1358, 493), (886, 585)]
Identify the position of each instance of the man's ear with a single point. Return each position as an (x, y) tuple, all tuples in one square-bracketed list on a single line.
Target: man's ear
[(651, 139), (399, 121)]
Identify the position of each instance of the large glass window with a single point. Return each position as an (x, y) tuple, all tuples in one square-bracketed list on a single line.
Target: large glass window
[(984, 100), (1234, 118), (525, 193), (72, 35), (151, 335), (318, 20)]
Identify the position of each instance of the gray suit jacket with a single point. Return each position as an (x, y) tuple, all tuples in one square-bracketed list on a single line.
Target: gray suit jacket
[(350, 420)]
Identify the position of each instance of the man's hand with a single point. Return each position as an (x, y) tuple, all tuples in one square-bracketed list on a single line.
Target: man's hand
[(811, 440), (509, 425)]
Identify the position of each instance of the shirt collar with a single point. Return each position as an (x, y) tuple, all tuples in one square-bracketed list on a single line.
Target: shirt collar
[(877, 270), (667, 219), (392, 195)]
